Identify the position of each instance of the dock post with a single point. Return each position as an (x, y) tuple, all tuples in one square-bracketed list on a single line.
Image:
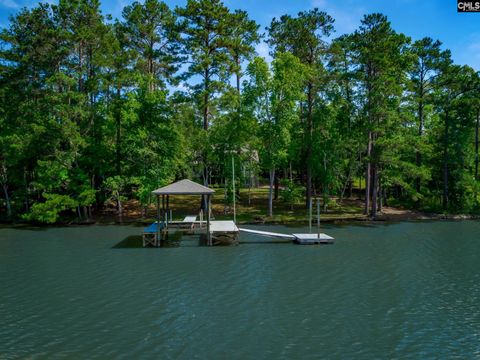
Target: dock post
[(234, 194), (209, 237), (310, 216), (318, 218), (157, 235), (167, 219)]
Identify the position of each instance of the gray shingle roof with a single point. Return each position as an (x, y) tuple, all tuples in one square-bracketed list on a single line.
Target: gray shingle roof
[(184, 187)]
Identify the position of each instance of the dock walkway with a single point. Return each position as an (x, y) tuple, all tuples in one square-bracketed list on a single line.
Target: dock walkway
[(303, 239), (268, 233)]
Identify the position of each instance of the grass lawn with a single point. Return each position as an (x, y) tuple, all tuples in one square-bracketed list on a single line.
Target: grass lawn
[(183, 205)]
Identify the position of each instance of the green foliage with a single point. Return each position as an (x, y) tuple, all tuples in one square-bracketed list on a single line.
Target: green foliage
[(87, 197), (292, 193), (114, 186), (151, 36), (49, 211), (95, 109), (272, 97)]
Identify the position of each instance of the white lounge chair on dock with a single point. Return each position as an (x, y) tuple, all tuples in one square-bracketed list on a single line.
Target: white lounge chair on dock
[(189, 221)]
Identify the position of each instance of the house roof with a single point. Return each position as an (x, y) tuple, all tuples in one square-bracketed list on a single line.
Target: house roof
[(184, 187)]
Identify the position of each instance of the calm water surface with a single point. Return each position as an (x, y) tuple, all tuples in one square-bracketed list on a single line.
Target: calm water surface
[(408, 290)]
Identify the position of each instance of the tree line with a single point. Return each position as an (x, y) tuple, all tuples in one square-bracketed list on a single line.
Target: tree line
[(94, 109)]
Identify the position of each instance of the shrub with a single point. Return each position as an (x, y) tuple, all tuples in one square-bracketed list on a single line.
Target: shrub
[(49, 211)]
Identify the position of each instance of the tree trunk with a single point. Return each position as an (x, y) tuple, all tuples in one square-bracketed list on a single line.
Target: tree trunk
[(420, 133), (380, 196), (119, 206), (118, 121), (80, 71), (27, 199), (237, 74), (348, 182), (206, 99), (277, 186), (225, 196), (7, 201), (374, 191), (309, 144), (445, 165), (250, 184), (270, 192), (151, 85), (368, 173)]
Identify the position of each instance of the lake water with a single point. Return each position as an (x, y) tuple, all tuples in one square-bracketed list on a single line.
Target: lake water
[(406, 290)]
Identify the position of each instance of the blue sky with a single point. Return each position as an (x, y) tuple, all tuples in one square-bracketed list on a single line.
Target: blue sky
[(459, 32)]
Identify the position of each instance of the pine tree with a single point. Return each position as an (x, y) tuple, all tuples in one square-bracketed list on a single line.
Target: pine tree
[(380, 55), (304, 36), (151, 33)]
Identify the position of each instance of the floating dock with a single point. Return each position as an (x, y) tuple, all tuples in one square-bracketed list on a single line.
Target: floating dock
[(312, 239), (303, 239)]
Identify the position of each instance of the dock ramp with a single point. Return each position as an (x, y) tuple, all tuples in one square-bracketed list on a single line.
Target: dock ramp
[(303, 239)]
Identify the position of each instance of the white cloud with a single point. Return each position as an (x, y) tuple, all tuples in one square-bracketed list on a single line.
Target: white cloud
[(9, 4)]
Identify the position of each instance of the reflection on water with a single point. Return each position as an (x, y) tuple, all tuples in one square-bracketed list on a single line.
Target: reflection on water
[(408, 290)]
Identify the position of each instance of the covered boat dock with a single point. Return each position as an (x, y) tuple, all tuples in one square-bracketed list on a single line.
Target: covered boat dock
[(216, 231)]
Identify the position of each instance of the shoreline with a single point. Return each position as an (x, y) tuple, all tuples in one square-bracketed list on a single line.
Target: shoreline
[(397, 215)]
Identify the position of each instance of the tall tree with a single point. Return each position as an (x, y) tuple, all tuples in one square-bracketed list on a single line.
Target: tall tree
[(206, 29), (273, 97), (304, 36), (428, 58), (455, 85), (243, 36), (345, 99), (152, 34), (380, 54)]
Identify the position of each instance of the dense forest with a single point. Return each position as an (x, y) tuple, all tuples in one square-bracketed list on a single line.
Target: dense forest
[(96, 109)]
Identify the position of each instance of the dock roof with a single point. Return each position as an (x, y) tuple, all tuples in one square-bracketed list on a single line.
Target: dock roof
[(184, 187)]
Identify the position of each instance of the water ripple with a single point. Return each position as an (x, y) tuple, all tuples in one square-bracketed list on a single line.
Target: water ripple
[(406, 290)]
